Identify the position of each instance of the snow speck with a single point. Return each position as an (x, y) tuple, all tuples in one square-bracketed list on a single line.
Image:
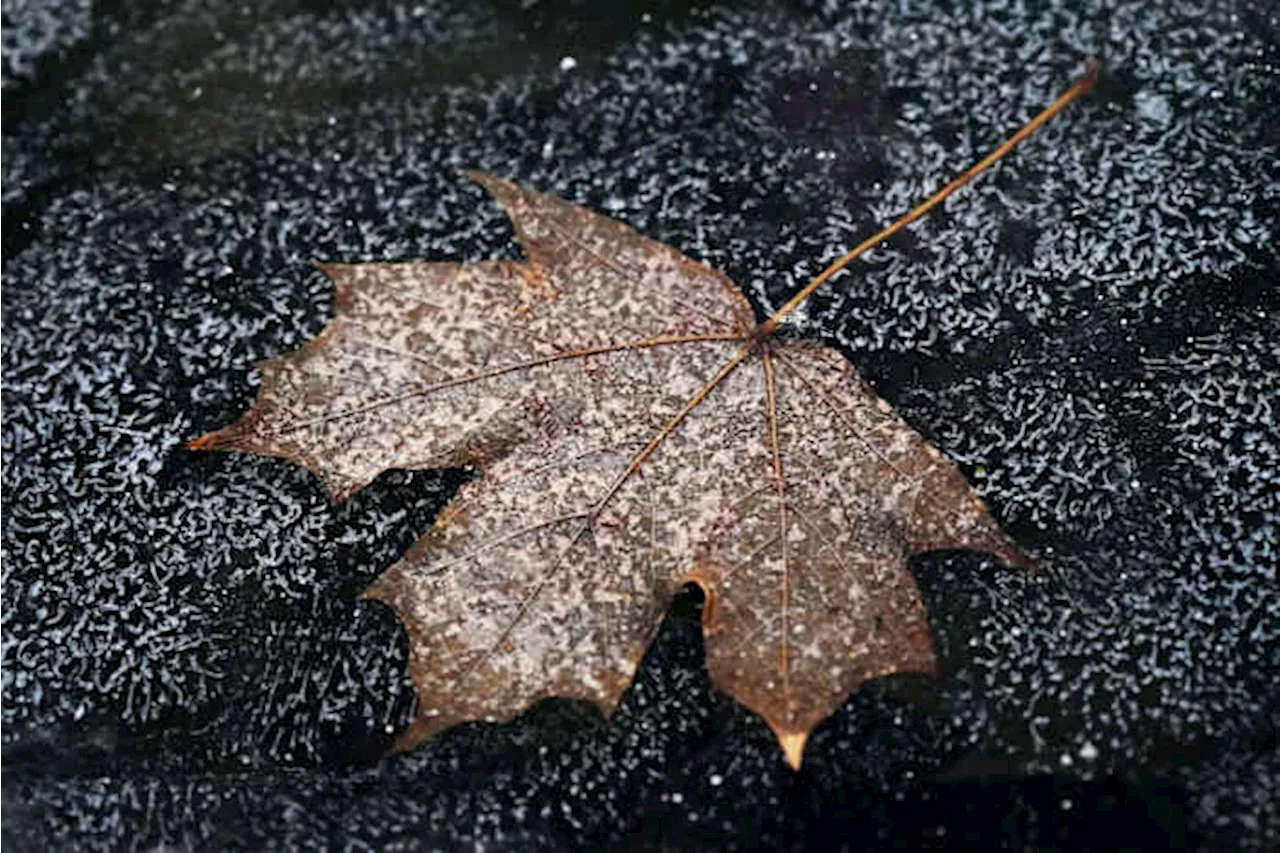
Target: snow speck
[(568, 63), (1152, 107)]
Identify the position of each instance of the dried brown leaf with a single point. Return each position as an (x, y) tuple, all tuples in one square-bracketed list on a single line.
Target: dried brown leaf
[(633, 430)]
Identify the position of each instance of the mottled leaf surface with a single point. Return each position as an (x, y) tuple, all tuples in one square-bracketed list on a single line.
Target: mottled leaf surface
[(791, 493)]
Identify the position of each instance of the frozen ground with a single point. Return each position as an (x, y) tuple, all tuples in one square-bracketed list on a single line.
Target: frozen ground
[(1091, 331)]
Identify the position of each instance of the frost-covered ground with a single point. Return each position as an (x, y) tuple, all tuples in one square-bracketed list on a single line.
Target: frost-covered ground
[(1091, 331)]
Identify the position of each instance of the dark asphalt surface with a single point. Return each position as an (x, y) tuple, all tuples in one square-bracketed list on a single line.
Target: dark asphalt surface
[(1092, 332)]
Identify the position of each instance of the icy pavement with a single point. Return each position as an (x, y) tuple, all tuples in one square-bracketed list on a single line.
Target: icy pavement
[(1091, 331)]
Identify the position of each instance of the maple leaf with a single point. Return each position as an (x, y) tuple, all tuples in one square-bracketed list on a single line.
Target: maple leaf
[(634, 429)]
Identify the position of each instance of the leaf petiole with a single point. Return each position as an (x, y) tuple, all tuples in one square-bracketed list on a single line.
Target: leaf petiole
[(1086, 82)]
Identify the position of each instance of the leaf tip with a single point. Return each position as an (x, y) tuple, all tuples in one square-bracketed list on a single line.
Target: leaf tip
[(230, 437), (484, 179), (503, 191), (369, 593), (413, 736), (1014, 556), (1022, 561), (792, 744), (208, 441)]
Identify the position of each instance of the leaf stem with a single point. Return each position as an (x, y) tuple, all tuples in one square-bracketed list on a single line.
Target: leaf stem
[(1080, 87), (762, 332)]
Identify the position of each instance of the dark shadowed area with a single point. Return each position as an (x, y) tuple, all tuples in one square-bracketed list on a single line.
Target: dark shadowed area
[(1092, 332)]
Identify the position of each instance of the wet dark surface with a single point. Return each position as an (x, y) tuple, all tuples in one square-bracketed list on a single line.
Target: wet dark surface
[(1091, 331)]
